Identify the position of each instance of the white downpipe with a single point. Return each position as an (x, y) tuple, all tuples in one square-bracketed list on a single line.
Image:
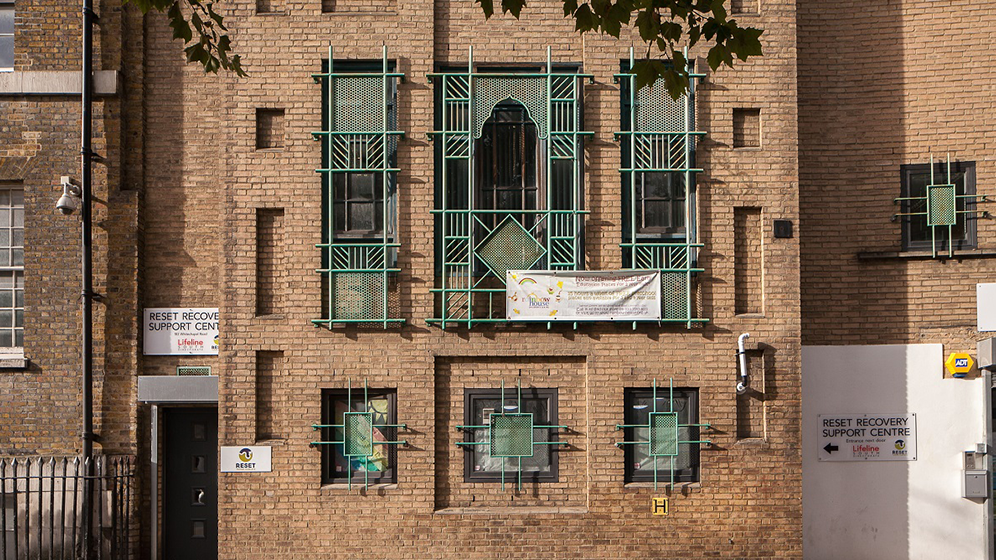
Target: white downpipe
[(743, 384)]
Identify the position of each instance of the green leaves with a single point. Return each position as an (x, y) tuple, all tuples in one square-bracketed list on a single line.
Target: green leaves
[(665, 25), (207, 43)]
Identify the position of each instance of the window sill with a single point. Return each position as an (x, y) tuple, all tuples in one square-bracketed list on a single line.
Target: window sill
[(663, 486), (512, 510), (380, 487), (926, 255), (105, 82), (12, 359)]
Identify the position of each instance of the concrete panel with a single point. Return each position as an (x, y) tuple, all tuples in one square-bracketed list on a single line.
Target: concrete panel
[(881, 510)]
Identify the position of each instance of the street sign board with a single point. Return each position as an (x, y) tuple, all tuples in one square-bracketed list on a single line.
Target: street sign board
[(867, 437)]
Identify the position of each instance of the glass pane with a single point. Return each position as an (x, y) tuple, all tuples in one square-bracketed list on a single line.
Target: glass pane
[(6, 318), (362, 186), (18, 239), (6, 51), (6, 298), (19, 337), (339, 186), (4, 238), (18, 217), (6, 338), (17, 257), (19, 298), (655, 214), (17, 197), (6, 19), (6, 279), (361, 217), (198, 432), (4, 217), (18, 317), (19, 279), (197, 530), (340, 217)]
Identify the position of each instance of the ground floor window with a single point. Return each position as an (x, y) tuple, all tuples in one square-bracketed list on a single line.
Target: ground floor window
[(640, 463), (380, 468)]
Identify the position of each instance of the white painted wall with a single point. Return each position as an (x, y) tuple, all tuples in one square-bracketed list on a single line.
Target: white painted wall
[(902, 509)]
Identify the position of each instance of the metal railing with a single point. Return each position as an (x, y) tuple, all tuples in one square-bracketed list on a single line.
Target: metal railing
[(45, 505)]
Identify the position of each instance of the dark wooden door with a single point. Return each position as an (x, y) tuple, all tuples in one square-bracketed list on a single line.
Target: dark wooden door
[(190, 483)]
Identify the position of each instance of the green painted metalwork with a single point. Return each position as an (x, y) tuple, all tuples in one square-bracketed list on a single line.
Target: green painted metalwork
[(476, 246), (941, 203), (663, 429), (661, 139), (358, 137), (357, 435), (510, 434)]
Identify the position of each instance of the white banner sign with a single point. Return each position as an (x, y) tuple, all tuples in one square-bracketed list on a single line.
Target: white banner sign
[(254, 458), (867, 437), (171, 331), (546, 295)]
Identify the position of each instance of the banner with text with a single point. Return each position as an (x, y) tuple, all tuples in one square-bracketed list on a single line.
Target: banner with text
[(172, 331), (547, 295)]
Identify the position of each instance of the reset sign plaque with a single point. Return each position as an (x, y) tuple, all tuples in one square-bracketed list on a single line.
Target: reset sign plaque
[(867, 437)]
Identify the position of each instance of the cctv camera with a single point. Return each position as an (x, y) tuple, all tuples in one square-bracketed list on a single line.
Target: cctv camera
[(66, 204)]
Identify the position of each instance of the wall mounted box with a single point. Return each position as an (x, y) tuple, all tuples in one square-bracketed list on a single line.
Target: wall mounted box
[(986, 353)]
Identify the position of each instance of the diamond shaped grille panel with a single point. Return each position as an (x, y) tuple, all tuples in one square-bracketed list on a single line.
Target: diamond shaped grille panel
[(511, 435), (664, 434), (358, 434), (942, 205), (509, 247)]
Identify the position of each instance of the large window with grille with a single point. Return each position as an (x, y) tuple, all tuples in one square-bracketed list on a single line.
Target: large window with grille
[(359, 169), (482, 407), (657, 142), (509, 167), (917, 233), (11, 266)]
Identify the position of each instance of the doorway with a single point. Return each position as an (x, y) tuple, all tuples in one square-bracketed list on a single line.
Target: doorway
[(190, 483)]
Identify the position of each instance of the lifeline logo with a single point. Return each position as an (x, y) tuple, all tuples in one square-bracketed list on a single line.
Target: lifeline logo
[(865, 450)]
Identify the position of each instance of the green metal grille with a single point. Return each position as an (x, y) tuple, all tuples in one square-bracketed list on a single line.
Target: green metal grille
[(359, 137), (941, 205), (664, 434), (675, 295), (661, 138), (510, 247), (358, 434), (473, 251), (511, 435), (941, 202)]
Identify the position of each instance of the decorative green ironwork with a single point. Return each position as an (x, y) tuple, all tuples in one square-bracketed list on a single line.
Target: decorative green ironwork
[(358, 136), (357, 436), (941, 207), (476, 246), (661, 139), (510, 434), (664, 436)]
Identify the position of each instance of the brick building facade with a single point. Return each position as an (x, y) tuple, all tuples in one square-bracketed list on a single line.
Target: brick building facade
[(208, 197)]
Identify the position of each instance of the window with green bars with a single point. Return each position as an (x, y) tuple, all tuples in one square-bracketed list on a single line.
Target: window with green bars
[(359, 176), (668, 433), (511, 434), (916, 189), (657, 143)]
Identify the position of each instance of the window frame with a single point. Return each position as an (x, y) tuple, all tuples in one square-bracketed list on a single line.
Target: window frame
[(528, 393), (970, 239), (329, 455), (16, 270), (689, 475), (9, 5), (363, 66)]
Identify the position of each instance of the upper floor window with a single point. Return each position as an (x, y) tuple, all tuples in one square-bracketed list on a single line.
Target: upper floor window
[(11, 266), (509, 171), (378, 414), (6, 35), (918, 234)]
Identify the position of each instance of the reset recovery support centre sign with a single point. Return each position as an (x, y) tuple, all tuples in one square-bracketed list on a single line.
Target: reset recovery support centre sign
[(867, 437), (180, 331)]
